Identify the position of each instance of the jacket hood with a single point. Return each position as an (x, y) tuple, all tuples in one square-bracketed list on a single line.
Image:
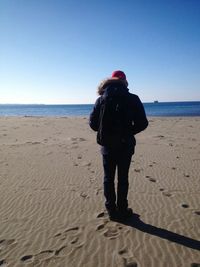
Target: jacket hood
[(113, 86)]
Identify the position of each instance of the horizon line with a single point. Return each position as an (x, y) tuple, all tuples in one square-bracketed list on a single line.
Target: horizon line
[(52, 104)]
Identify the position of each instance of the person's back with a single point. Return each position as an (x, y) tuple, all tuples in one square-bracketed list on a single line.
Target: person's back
[(117, 116), (114, 124)]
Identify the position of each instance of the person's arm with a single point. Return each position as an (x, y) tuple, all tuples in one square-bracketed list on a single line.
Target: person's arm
[(140, 121), (94, 116)]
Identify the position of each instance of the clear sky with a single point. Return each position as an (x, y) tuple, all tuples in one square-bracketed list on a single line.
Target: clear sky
[(57, 51)]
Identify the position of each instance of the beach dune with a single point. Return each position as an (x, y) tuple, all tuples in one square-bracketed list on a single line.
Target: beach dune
[(52, 204)]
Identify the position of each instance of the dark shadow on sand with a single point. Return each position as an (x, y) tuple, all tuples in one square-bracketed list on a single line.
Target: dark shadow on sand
[(135, 222)]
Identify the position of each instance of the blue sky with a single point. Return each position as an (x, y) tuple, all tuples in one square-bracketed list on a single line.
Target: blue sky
[(57, 52)]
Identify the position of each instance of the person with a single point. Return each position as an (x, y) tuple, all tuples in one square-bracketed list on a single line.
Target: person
[(118, 155)]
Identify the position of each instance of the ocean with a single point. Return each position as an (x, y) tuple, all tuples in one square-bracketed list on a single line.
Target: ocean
[(167, 109)]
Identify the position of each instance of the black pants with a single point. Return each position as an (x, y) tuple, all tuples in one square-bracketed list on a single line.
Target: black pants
[(119, 160)]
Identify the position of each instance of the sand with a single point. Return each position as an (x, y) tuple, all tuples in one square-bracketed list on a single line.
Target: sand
[(52, 205)]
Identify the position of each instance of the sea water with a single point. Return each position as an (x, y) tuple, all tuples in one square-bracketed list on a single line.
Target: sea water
[(152, 109)]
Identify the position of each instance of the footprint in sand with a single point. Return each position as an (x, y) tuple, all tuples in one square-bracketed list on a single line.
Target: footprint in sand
[(27, 258), (103, 222), (33, 143), (84, 195), (122, 251), (3, 263), (74, 143), (98, 191), (100, 227), (81, 139), (137, 170), (111, 233), (167, 194), (57, 252), (64, 250), (160, 136), (185, 206), (70, 233), (76, 228), (126, 258), (108, 229), (6, 242), (72, 238), (197, 212), (86, 164), (75, 139), (67, 249), (152, 180), (101, 215), (91, 179), (43, 255), (71, 229)]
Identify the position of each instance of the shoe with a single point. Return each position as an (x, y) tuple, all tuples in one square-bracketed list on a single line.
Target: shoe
[(113, 215), (127, 213)]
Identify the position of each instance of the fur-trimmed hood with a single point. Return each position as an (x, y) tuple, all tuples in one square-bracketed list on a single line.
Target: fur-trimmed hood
[(109, 82)]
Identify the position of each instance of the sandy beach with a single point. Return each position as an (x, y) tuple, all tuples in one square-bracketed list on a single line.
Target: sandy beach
[(52, 204)]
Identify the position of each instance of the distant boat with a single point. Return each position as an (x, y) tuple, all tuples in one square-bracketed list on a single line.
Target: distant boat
[(155, 102)]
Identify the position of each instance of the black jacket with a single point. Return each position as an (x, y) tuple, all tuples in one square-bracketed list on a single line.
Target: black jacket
[(135, 109)]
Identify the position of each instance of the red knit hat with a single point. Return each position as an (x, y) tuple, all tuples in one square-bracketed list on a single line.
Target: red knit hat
[(119, 74)]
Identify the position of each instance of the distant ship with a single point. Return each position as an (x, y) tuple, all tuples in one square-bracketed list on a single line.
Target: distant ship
[(155, 102)]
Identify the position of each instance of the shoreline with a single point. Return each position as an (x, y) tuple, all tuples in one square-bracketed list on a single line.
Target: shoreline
[(87, 116)]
